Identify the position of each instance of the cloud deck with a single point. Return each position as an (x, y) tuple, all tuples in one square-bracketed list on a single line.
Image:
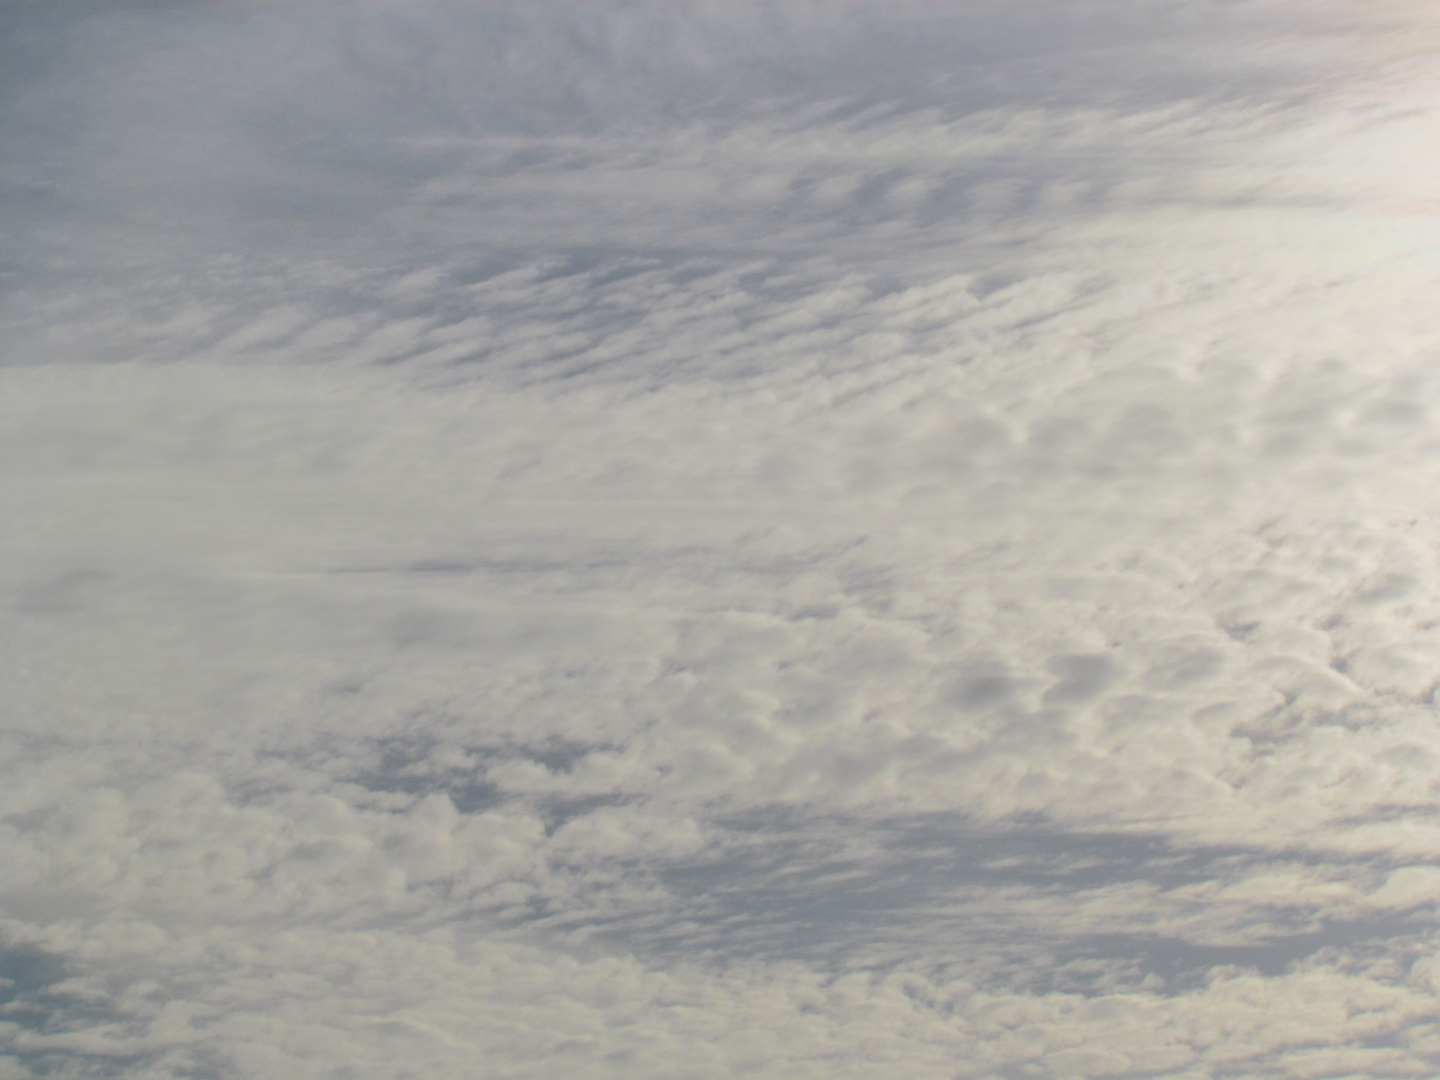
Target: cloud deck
[(657, 542)]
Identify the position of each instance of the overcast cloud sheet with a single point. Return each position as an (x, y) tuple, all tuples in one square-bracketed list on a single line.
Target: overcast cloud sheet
[(683, 541)]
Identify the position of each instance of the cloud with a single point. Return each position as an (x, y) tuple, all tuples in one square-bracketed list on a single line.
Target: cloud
[(673, 542)]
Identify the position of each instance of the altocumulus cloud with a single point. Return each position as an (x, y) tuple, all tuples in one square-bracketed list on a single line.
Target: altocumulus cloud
[(662, 540)]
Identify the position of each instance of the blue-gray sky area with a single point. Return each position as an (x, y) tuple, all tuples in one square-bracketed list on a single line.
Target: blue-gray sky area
[(676, 541)]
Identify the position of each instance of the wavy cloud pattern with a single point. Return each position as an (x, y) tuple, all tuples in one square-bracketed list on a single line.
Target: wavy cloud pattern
[(656, 540)]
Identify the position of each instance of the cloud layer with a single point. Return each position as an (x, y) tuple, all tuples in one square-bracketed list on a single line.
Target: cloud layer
[(683, 541)]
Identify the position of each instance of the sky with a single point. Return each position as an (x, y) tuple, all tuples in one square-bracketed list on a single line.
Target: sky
[(679, 541)]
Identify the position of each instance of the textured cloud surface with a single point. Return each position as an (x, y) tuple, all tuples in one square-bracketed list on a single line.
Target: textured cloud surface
[(689, 541)]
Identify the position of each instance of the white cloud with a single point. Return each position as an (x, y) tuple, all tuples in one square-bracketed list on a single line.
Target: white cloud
[(664, 542)]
